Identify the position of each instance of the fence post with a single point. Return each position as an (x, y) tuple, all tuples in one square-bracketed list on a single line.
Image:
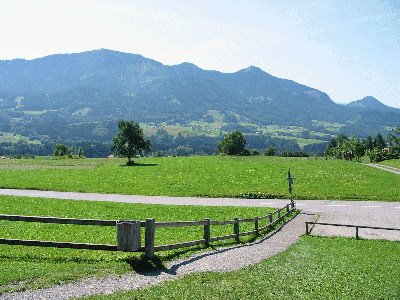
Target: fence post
[(236, 229), (279, 214), (356, 232), (207, 231), (149, 238), (128, 236), (256, 225), (287, 208), (306, 228), (270, 219)]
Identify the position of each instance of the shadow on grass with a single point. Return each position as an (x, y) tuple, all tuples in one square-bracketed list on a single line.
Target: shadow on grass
[(133, 164)]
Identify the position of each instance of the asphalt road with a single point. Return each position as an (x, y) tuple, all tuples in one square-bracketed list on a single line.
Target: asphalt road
[(369, 213)]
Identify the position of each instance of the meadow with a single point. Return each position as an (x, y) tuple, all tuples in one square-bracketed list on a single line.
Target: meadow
[(32, 267), (314, 268), (207, 176)]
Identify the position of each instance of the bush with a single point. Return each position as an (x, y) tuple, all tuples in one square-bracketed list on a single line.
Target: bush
[(270, 151)]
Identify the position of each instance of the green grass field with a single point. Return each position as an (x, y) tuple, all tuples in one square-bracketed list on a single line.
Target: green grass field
[(212, 176), (31, 267), (314, 268)]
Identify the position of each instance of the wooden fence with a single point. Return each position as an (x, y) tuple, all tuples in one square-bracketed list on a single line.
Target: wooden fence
[(346, 225), (129, 236)]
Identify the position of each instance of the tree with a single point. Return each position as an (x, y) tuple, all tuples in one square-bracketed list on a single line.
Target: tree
[(129, 141), (270, 151), (379, 142), (369, 143), (233, 144), (80, 151), (62, 150), (394, 142)]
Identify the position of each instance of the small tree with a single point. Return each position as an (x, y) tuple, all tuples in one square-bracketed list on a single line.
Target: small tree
[(270, 151), (80, 151), (379, 142), (233, 144), (62, 150), (129, 140)]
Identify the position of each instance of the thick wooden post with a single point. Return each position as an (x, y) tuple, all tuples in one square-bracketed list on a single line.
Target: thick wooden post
[(207, 231), (287, 207), (306, 228), (270, 219), (128, 236), (256, 225), (149, 238), (357, 233), (236, 229), (279, 214)]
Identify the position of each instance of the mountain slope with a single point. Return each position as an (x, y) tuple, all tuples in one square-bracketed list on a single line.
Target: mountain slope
[(83, 95)]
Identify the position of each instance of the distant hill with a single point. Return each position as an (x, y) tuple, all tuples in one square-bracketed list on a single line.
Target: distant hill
[(81, 96), (371, 103)]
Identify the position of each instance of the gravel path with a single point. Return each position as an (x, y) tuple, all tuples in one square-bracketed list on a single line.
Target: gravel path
[(386, 168), (218, 260)]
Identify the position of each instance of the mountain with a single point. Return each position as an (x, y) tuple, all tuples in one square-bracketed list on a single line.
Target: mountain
[(371, 103), (81, 96)]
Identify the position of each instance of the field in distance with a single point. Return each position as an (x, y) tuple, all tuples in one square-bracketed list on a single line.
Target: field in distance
[(206, 176)]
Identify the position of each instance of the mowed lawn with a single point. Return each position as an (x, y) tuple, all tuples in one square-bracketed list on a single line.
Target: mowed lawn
[(314, 268), (206, 176)]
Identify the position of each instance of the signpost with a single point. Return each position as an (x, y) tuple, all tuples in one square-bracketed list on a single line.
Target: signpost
[(290, 179)]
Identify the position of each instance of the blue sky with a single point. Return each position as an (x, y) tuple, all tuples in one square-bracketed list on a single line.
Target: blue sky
[(348, 49)]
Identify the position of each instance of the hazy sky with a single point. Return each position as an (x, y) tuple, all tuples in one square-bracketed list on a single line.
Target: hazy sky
[(346, 48)]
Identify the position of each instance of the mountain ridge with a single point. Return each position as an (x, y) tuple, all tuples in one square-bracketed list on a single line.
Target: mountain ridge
[(83, 95)]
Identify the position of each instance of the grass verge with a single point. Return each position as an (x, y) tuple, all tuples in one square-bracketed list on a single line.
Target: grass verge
[(33, 267), (314, 268)]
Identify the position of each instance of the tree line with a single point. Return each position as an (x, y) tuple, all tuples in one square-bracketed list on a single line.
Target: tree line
[(377, 149)]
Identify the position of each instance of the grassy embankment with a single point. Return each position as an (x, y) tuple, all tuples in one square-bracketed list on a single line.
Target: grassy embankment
[(213, 176), (314, 268), (28, 267)]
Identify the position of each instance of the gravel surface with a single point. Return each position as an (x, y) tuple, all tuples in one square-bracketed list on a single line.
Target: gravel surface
[(218, 260), (386, 168)]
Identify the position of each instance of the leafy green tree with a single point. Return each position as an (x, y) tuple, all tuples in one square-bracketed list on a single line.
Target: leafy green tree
[(233, 144), (342, 138), (349, 150), (62, 150), (270, 151), (129, 140), (394, 141)]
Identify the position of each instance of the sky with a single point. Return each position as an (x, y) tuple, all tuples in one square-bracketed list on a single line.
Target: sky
[(348, 49)]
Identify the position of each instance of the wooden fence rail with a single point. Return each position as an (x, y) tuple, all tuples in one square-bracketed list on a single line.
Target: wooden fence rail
[(350, 226), (129, 235)]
